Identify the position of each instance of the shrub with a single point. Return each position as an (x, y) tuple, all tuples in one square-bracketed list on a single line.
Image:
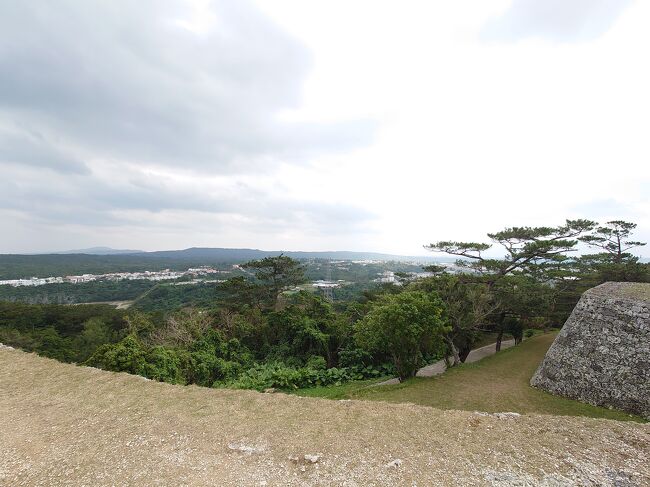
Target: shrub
[(280, 376), (165, 365), (354, 357), (406, 326), (316, 362), (14, 338), (128, 355), (51, 344)]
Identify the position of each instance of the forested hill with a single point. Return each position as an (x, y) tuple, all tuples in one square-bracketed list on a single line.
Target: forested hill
[(17, 266)]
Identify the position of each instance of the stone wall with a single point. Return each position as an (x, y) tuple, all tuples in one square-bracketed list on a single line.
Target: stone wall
[(602, 354)]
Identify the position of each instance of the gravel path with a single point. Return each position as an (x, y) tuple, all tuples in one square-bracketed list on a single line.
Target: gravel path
[(64, 425), (439, 367)]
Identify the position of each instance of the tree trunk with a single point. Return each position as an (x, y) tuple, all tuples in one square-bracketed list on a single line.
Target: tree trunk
[(454, 351), (398, 367), (447, 361), (499, 339), (331, 358), (502, 317), (464, 352)]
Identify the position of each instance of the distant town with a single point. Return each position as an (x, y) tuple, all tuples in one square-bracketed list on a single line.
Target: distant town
[(210, 274), (164, 275)]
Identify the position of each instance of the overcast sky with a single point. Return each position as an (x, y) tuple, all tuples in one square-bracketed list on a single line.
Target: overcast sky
[(318, 125)]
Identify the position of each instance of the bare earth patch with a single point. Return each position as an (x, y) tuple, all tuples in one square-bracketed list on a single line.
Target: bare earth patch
[(68, 425)]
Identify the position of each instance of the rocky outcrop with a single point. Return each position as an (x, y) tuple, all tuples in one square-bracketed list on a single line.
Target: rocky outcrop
[(602, 354)]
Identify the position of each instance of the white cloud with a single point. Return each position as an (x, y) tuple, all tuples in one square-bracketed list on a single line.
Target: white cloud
[(369, 125), (476, 136), (556, 20)]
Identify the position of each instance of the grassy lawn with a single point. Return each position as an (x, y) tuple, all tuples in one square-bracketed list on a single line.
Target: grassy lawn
[(495, 384), (345, 391)]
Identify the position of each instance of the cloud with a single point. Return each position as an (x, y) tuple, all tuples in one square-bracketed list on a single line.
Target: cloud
[(158, 115), (555, 20), (137, 199), (167, 123), (33, 149), (604, 210), (136, 81)]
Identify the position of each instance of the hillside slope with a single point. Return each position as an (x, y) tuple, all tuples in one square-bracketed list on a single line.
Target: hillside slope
[(500, 382), (69, 425)]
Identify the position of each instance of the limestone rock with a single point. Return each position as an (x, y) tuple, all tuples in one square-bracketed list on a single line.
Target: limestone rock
[(507, 415), (394, 463), (247, 449), (602, 354)]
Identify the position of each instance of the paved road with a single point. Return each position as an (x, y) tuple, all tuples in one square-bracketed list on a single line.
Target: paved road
[(440, 366)]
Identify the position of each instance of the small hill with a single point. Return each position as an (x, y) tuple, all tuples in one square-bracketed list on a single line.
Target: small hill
[(69, 425)]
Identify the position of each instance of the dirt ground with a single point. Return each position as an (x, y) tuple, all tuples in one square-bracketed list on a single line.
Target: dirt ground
[(67, 425)]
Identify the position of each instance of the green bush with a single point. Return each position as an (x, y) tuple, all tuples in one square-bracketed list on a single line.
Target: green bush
[(95, 333), (164, 365), (354, 357), (316, 362), (14, 338), (280, 376), (128, 355), (51, 344), (204, 368), (406, 326)]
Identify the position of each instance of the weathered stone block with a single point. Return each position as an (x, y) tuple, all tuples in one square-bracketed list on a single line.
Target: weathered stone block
[(602, 354)]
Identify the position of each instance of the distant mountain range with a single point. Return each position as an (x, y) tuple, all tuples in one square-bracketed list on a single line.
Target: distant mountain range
[(195, 254), (100, 251), (209, 254)]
